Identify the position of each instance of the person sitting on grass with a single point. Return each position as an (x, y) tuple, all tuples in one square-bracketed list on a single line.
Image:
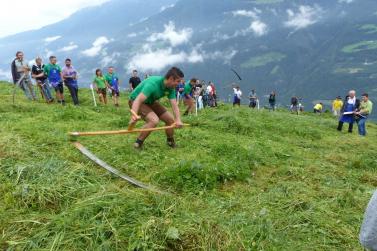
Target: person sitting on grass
[(187, 96), (55, 78), (113, 80), (101, 84), (144, 100), (366, 107), (318, 108)]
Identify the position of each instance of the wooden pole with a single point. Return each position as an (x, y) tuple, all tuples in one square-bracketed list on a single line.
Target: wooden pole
[(119, 132)]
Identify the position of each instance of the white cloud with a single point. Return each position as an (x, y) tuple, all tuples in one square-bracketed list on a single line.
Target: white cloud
[(345, 1), (172, 36), (72, 46), (97, 47), (159, 59), (132, 35), (225, 56), (52, 39), (163, 8), (45, 11), (259, 28), (305, 17), (245, 13), (108, 60)]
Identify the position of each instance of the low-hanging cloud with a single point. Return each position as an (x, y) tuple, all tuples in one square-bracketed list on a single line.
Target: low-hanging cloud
[(97, 47), (304, 17), (72, 46), (172, 36), (52, 39), (257, 27)]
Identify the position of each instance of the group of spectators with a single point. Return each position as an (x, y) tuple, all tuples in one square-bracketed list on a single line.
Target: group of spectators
[(253, 98), (54, 76)]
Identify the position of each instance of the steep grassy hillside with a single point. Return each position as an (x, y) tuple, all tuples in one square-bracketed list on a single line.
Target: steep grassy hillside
[(240, 180)]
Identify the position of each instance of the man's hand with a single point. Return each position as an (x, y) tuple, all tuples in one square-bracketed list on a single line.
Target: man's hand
[(178, 123)]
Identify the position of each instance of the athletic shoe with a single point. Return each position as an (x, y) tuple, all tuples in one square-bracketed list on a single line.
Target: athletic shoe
[(171, 143)]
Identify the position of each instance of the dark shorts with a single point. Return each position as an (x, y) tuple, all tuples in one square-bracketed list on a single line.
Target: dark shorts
[(102, 91), (59, 88), (145, 109), (115, 93)]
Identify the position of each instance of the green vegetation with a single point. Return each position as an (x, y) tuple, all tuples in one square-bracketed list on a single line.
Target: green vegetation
[(361, 46), (369, 28), (240, 180), (263, 60)]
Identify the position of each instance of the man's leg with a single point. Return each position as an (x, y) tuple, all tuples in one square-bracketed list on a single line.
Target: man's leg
[(361, 127), (168, 119), (350, 127), (340, 126), (152, 121), (25, 88)]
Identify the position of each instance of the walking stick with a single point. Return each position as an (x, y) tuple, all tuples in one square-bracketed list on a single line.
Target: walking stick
[(94, 98), (17, 84)]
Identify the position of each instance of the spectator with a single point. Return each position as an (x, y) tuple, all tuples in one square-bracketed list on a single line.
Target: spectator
[(21, 73), (337, 107), (237, 96), (253, 99), (366, 107), (55, 78), (113, 81), (101, 84), (40, 78), (318, 108), (350, 106), (272, 101), (70, 80), (135, 80)]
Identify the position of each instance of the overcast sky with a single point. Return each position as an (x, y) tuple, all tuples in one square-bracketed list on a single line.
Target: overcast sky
[(23, 15)]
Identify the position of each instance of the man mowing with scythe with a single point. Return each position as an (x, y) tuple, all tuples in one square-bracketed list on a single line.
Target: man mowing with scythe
[(144, 102)]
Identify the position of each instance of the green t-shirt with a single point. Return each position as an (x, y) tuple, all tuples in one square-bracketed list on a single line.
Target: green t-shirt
[(153, 88), (109, 78), (100, 82), (48, 67), (366, 106), (188, 89)]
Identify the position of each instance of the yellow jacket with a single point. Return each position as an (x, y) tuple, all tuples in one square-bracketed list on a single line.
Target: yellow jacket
[(318, 107), (337, 104)]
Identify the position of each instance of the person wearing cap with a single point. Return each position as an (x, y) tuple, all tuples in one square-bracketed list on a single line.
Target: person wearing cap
[(366, 107), (337, 105)]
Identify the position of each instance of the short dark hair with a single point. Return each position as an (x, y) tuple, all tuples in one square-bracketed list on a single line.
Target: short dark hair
[(18, 52), (68, 59), (365, 95), (175, 73), (193, 80), (98, 70), (52, 57), (134, 71)]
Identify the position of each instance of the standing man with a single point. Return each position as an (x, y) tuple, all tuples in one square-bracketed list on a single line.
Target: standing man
[(366, 107), (350, 106), (20, 69), (113, 81), (144, 101), (70, 80), (237, 96), (135, 80), (272, 101), (253, 99), (55, 78), (39, 76), (187, 96), (337, 105)]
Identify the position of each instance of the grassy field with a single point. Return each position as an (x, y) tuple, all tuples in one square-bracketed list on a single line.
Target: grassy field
[(239, 180)]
